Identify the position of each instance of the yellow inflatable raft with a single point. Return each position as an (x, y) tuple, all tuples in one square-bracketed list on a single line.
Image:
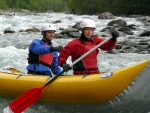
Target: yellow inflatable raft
[(94, 88)]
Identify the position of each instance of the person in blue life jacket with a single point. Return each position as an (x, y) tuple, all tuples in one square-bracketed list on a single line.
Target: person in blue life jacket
[(43, 57)]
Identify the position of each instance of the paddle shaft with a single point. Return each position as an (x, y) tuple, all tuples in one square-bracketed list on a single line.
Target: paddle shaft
[(54, 78), (90, 51)]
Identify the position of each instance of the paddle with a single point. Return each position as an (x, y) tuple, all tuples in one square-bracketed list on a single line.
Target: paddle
[(29, 97)]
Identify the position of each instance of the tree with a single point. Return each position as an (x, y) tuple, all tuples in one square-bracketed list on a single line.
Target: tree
[(3, 4)]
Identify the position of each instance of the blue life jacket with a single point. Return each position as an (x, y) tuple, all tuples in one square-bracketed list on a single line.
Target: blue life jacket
[(37, 51)]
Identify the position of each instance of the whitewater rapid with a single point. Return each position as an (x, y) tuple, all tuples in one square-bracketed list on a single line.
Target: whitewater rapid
[(14, 47)]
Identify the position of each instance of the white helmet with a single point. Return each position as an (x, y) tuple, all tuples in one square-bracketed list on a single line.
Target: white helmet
[(48, 27), (87, 23)]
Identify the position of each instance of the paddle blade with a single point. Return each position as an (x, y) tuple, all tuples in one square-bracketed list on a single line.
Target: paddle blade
[(25, 100)]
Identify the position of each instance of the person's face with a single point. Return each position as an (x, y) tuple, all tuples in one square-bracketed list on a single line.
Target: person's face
[(88, 32), (49, 35)]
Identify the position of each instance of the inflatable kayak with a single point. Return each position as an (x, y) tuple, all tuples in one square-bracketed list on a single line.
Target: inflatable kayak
[(90, 89)]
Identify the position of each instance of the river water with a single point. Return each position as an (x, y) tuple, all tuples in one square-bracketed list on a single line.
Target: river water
[(14, 49)]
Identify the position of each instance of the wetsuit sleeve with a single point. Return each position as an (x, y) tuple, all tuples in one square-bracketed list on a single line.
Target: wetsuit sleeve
[(37, 47), (109, 45), (66, 52)]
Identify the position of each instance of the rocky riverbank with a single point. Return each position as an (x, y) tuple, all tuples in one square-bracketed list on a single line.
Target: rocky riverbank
[(132, 43)]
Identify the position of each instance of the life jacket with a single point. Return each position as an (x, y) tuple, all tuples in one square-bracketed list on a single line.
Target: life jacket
[(89, 63), (45, 59)]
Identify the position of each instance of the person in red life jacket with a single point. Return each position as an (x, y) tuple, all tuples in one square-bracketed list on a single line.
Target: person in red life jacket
[(43, 57), (79, 46)]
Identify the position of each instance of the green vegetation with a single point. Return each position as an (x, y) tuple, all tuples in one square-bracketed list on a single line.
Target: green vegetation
[(112, 6), (33, 5), (80, 6)]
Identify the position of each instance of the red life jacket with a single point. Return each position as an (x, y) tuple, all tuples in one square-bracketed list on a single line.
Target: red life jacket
[(90, 61), (46, 58)]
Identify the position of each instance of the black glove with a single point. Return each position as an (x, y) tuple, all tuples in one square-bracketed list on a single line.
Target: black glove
[(66, 67), (115, 34), (58, 48)]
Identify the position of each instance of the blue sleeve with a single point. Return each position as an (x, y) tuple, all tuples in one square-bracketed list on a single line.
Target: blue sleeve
[(55, 67), (37, 47)]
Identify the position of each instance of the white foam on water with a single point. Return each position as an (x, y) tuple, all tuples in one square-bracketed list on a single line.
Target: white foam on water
[(7, 110)]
